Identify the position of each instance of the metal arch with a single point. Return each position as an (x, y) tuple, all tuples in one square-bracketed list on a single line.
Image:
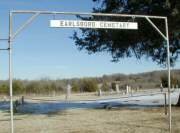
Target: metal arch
[(11, 36)]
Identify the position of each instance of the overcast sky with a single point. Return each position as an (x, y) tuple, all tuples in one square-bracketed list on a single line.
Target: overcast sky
[(40, 51)]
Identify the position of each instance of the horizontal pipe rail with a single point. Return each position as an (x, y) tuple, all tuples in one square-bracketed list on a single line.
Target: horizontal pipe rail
[(3, 39), (4, 49), (93, 14)]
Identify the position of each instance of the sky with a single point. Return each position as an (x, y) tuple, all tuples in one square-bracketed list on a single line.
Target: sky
[(43, 52)]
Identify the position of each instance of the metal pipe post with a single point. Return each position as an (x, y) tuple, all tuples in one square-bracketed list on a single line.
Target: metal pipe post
[(165, 104), (169, 74), (10, 71)]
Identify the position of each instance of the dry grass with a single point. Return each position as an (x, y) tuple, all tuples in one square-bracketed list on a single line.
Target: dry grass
[(93, 121)]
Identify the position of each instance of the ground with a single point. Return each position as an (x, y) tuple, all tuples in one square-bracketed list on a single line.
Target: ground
[(120, 120), (85, 113)]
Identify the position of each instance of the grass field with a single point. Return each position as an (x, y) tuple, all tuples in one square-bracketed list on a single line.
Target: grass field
[(121, 120)]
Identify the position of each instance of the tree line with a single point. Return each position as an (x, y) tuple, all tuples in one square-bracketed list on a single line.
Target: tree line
[(45, 86), (106, 82)]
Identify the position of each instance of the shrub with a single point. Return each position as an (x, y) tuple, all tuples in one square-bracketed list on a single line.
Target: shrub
[(89, 85), (164, 81), (4, 89), (113, 86), (105, 87), (75, 87), (18, 87)]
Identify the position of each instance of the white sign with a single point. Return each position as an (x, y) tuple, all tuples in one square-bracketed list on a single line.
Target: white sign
[(93, 24)]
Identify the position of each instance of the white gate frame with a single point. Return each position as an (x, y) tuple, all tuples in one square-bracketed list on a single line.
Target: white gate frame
[(12, 36)]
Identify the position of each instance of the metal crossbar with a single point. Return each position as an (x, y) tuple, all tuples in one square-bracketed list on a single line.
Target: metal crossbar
[(92, 14)]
